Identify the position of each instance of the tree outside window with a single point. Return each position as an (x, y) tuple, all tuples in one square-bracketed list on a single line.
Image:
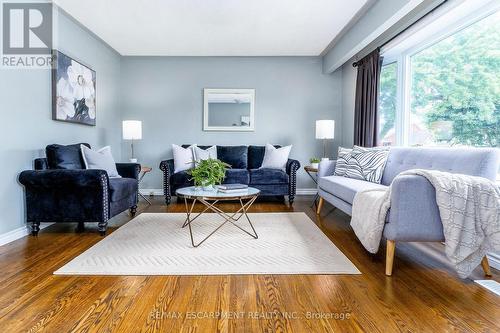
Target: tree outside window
[(454, 91), (387, 105)]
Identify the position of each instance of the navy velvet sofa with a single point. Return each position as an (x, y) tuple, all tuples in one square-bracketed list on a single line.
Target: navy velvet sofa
[(245, 164), (60, 189)]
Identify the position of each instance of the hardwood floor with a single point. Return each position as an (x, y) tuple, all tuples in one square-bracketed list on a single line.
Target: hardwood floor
[(423, 295)]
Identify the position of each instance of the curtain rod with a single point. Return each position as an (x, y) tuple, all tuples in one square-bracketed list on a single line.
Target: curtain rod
[(355, 64)]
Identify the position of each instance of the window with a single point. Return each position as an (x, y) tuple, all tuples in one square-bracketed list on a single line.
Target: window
[(446, 92), (387, 105)]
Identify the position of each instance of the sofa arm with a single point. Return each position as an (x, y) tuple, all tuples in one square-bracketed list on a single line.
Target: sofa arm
[(66, 195), (326, 168), (291, 169), (292, 166), (129, 170), (414, 214), (62, 178), (167, 166)]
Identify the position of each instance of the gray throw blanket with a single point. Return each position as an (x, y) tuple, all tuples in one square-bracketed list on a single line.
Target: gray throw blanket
[(469, 208)]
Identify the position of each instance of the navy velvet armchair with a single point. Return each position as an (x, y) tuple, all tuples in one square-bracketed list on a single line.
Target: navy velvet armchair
[(58, 192), (245, 164)]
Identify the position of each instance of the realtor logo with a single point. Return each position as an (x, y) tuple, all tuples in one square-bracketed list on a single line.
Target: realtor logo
[(27, 28), (27, 35)]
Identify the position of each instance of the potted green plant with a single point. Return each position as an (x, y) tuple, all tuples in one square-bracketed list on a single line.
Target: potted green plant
[(314, 162), (208, 173)]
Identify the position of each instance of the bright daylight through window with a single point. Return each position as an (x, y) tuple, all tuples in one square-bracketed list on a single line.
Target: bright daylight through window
[(446, 93)]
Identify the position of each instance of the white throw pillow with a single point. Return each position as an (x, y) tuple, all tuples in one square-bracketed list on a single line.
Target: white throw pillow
[(101, 159), (204, 154), (183, 158), (275, 158)]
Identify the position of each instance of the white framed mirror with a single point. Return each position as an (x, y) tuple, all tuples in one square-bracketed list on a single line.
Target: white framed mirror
[(228, 109)]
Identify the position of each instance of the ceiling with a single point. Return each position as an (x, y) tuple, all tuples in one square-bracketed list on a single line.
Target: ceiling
[(215, 27)]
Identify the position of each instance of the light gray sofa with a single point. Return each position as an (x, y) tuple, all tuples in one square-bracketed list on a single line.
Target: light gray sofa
[(414, 215)]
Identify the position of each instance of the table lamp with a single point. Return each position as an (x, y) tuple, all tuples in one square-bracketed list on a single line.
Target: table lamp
[(132, 130), (325, 130)]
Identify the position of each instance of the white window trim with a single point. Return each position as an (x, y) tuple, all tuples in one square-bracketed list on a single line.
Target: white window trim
[(403, 61)]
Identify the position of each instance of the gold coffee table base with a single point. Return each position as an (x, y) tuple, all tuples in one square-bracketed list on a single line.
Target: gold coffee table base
[(210, 205)]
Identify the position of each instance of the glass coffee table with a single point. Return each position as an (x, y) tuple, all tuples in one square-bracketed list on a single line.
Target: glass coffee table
[(209, 198)]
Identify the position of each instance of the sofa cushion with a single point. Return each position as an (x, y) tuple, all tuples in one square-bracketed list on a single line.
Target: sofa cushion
[(268, 176), (65, 157), (233, 176), (256, 156), (275, 190), (183, 157), (481, 162), (276, 158), (180, 178), (235, 156), (343, 157), (237, 176), (121, 188), (101, 159), (346, 188), (200, 154), (202, 147), (367, 163)]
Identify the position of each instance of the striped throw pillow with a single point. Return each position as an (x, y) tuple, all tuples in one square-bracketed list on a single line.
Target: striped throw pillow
[(343, 158), (367, 163)]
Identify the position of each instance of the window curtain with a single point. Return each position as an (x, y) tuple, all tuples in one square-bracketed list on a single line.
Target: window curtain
[(365, 107)]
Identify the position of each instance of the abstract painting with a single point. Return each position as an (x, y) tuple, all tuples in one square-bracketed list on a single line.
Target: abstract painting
[(73, 91)]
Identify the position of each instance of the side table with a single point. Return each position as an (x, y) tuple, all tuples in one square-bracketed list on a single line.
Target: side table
[(144, 171), (310, 170)]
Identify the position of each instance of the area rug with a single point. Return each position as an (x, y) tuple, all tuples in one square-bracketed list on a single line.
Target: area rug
[(155, 244)]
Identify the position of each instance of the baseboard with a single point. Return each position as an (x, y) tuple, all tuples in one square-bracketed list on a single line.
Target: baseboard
[(19, 233), (307, 191), (494, 260), (151, 191), (156, 191)]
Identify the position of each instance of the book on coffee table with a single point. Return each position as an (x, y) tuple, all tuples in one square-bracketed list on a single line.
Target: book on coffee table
[(229, 188)]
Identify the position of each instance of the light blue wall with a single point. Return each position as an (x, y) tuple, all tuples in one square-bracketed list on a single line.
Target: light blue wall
[(378, 18), (166, 93), (27, 125), (349, 74), (382, 20)]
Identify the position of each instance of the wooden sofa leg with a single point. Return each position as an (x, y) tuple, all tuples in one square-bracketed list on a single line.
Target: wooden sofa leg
[(133, 210), (35, 228), (320, 205), (486, 266), (389, 258), (102, 226)]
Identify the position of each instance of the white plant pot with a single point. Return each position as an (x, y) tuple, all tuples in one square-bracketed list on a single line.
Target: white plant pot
[(208, 187), (314, 165)]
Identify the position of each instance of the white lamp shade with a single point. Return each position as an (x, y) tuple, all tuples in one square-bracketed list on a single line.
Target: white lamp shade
[(325, 129), (132, 129)]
